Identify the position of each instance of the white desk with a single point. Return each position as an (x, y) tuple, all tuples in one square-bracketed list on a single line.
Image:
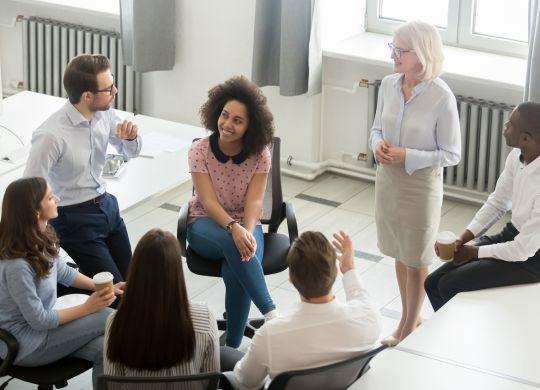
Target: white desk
[(394, 369), (494, 330), (143, 177)]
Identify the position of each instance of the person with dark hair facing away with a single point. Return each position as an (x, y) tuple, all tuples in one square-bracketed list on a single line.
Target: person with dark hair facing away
[(321, 330), (29, 271), (69, 150), (513, 255), (229, 171), (171, 337)]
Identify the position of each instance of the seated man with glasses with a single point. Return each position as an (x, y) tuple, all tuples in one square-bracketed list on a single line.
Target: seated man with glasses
[(69, 149)]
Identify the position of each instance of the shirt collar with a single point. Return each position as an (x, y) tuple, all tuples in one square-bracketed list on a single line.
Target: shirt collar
[(76, 117), (416, 90), (222, 157)]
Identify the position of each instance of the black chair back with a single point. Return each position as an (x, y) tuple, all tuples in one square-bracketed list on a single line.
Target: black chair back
[(51, 375), (275, 211), (336, 376), (205, 381)]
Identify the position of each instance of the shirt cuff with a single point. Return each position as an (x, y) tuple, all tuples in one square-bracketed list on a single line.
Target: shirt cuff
[(485, 251), (352, 279), (475, 228)]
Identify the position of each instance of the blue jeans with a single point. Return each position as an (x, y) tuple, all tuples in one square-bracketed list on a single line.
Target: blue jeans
[(244, 280), (82, 338), (95, 237)]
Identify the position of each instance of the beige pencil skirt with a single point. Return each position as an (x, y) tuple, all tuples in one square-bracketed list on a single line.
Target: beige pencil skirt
[(407, 213)]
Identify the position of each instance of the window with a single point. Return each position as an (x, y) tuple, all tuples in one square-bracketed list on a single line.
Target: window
[(498, 26)]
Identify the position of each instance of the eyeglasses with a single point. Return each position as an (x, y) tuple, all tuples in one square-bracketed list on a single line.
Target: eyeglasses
[(108, 89), (398, 52)]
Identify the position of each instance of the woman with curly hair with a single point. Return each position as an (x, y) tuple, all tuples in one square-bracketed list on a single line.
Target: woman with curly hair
[(229, 171), (29, 270)]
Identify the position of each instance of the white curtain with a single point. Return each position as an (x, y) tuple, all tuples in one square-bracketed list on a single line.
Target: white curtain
[(287, 49), (148, 34), (532, 82)]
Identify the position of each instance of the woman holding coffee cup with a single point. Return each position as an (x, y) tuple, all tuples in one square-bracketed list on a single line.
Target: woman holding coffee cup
[(172, 337), (29, 271), (415, 134), (229, 171)]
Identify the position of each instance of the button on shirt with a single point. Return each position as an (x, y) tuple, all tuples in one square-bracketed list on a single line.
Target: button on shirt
[(427, 125), (517, 189), (70, 152)]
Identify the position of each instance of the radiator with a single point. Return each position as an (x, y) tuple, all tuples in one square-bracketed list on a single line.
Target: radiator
[(483, 148), (48, 45)]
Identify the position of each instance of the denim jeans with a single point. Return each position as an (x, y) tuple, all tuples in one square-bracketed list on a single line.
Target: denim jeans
[(244, 280), (82, 338)]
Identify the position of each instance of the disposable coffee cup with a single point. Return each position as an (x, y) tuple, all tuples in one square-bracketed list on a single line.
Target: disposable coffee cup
[(446, 245), (103, 280)]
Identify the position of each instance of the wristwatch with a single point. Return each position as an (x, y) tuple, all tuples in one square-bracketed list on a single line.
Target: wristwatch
[(230, 225)]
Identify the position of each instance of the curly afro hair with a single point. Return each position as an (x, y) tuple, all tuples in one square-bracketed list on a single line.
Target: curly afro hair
[(260, 129)]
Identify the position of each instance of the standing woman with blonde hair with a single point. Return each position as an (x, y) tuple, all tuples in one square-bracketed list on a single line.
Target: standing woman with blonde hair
[(415, 134)]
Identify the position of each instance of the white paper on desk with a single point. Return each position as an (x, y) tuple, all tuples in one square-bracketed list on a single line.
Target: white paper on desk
[(155, 143)]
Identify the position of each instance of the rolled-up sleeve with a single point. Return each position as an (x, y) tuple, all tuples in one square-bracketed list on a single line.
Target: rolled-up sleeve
[(129, 148)]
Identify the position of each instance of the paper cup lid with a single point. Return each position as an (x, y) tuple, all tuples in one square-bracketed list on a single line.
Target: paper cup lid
[(103, 277), (446, 237)]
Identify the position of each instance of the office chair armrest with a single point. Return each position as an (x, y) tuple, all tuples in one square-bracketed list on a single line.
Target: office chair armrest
[(12, 350), (181, 229), (291, 221)]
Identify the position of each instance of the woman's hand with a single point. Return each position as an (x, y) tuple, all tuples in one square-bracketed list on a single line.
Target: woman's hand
[(119, 288), (381, 153), (244, 240), (99, 300), (396, 153)]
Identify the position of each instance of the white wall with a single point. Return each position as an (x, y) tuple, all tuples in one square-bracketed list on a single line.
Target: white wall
[(215, 42)]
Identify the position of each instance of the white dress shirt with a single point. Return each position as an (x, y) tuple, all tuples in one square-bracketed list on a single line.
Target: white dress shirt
[(69, 152), (517, 189), (427, 125), (313, 335)]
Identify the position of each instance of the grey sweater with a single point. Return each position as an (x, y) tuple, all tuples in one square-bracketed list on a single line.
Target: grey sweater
[(26, 302)]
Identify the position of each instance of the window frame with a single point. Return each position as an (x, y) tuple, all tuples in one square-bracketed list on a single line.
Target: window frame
[(458, 33)]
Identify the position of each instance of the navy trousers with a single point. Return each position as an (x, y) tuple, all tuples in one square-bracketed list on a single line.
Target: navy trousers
[(449, 279), (95, 237)]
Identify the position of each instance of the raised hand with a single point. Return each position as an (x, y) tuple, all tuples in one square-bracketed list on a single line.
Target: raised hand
[(126, 130)]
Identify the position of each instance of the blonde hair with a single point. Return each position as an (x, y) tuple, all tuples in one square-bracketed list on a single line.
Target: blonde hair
[(426, 42)]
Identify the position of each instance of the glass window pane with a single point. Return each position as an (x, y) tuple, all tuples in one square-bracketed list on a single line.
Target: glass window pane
[(431, 11), (502, 18)]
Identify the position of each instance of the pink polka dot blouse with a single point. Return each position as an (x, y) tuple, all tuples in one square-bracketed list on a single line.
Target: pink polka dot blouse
[(230, 179)]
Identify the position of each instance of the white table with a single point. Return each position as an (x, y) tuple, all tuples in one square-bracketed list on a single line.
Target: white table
[(494, 330), (395, 369), (142, 178), (145, 177)]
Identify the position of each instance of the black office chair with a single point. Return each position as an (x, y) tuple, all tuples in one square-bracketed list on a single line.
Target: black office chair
[(205, 381), (47, 376), (336, 376), (276, 245)]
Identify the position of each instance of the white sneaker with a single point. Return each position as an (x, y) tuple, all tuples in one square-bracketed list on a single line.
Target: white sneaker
[(271, 315)]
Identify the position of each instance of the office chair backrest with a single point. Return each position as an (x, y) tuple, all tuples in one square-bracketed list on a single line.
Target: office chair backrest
[(206, 381), (336, 376), (273, 196)]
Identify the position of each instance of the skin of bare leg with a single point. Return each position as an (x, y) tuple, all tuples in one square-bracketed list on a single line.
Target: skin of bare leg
[(415, 298), (401, 276)]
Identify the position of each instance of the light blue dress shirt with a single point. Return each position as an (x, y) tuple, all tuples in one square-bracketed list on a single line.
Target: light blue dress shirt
[(26, 302), (427, 125), (69, 152)]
